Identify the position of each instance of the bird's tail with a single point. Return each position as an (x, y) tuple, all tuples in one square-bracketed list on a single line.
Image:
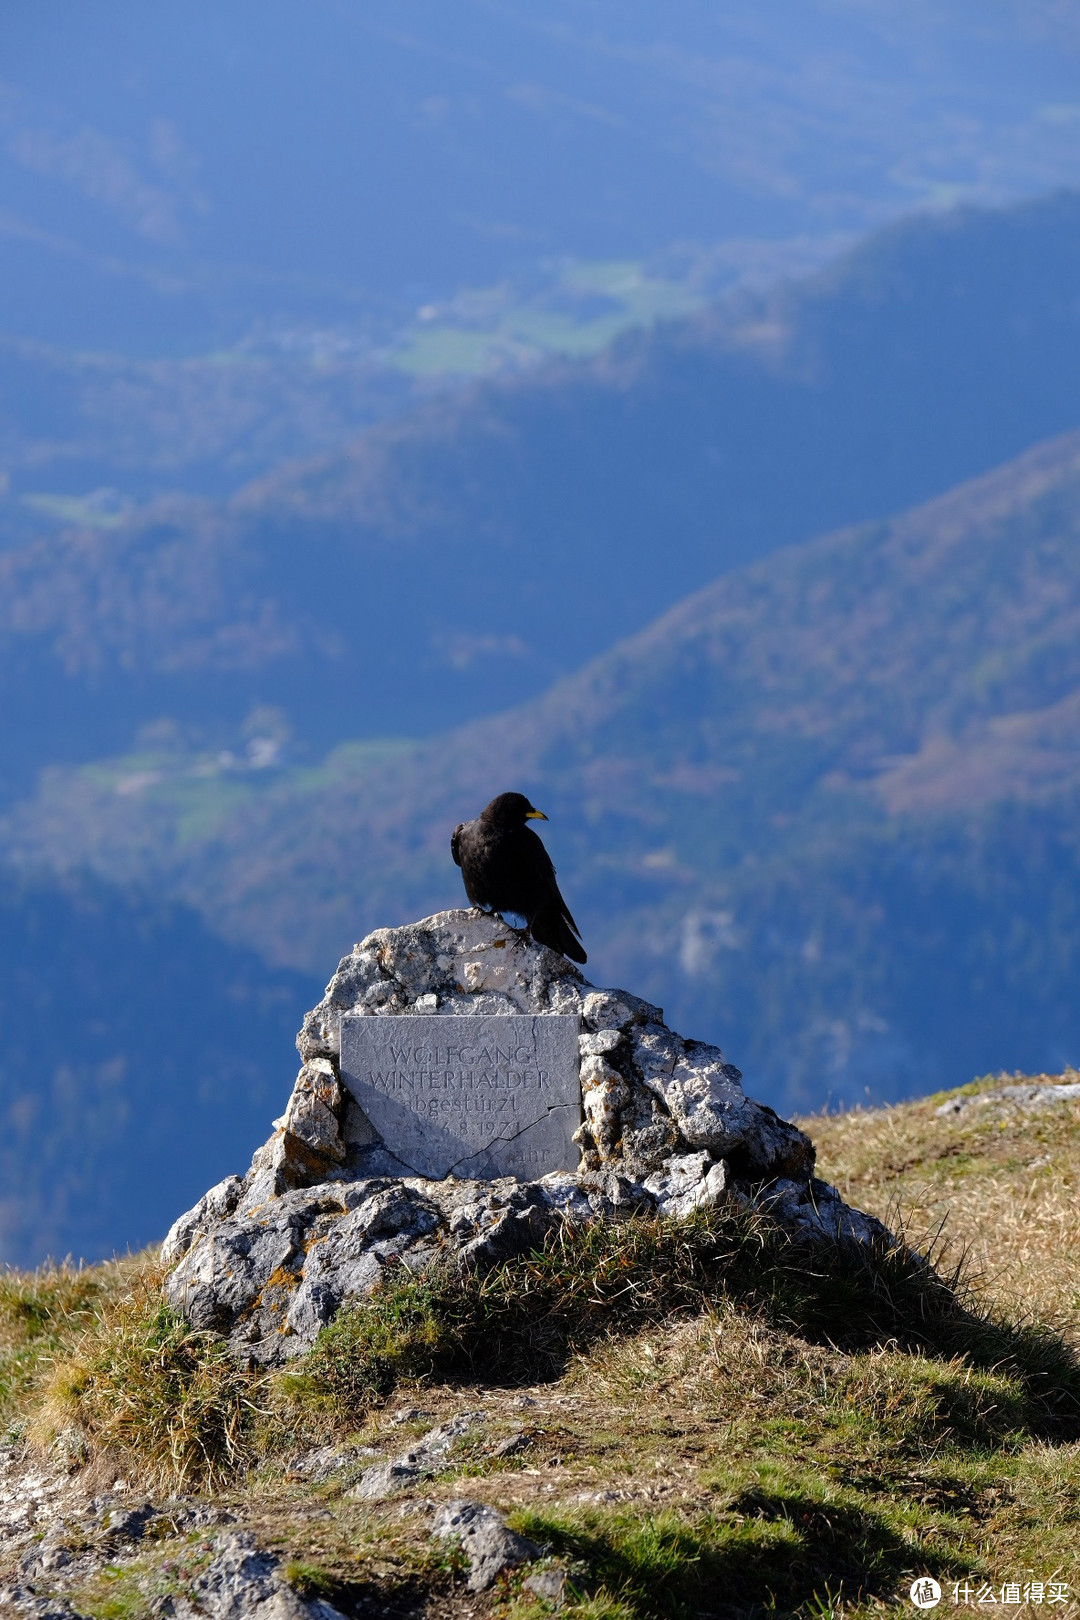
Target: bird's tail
[(559, 930)]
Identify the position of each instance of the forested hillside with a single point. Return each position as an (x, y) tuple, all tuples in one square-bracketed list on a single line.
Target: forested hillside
[(816, 796), (139, 1054), (823, 811), (465, 555)]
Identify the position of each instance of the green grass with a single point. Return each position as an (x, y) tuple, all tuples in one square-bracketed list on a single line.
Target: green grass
[(801, 1544), (198, 796), (487, 328), (40, 1313)]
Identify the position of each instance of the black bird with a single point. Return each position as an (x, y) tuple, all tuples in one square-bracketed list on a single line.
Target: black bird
[(505, 867)]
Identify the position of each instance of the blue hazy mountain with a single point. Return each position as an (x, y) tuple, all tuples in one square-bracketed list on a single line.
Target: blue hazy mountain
[(173, 176), (466, 554), (824, 811), (141, 1059), (281, 594)]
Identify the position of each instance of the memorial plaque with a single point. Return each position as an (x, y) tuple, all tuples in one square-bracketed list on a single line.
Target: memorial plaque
[(471, 1097)]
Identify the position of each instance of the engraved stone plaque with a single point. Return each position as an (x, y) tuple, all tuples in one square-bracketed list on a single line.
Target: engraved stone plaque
[(470, 1097)]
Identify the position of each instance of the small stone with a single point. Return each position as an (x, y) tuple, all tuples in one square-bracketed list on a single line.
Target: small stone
[(408, 1414), (389, 1478), (599, 1045), (615, 1009), (244, 1583), (327, 1462), (485, 1539), (513, 1444), (213, 1206), (384, 1480), (547, 1583), (314, 1111), (687, 1183)]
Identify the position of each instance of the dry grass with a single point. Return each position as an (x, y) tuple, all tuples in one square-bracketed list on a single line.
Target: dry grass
[(525, 1320), (999, 1181), (42, 1313), (130, 1381)]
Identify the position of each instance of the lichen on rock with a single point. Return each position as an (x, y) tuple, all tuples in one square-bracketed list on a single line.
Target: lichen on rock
[(326, 1207)]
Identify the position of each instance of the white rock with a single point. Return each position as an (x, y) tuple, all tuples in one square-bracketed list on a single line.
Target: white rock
[(212, 1207), (688, 1183), (484, 1537), (599, 1045)]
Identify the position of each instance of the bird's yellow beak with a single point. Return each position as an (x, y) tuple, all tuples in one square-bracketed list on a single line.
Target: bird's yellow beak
[(535, 815)]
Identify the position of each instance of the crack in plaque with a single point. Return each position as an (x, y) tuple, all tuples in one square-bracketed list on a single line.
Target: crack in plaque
[(552, 1108), (486, 1147)]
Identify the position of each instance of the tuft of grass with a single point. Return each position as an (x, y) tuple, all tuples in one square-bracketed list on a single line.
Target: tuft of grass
[(141, 1385), (40, 1312), (311, 1580)]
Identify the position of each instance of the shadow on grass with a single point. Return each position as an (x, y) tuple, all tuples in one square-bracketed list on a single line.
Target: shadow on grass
[(855, 1297), (523, 1320), (406, 1598), (780, 1553)]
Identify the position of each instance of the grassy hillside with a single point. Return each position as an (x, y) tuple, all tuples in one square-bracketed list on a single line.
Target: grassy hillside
[(823, 811), (804, 1446)]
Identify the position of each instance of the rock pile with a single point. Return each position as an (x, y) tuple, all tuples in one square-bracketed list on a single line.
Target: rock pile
[(326, 1206)]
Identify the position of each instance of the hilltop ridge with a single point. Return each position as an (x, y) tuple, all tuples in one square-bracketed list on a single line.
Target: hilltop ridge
[(811, 1442)]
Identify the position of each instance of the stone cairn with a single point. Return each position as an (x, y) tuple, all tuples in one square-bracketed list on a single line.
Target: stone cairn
[(326, 1207)]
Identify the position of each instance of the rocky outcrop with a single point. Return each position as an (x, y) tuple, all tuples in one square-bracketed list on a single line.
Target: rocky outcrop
[(56, 1535), (325, 1208), (1031, 1095)]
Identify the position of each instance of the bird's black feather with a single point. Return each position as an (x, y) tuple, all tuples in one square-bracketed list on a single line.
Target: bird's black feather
[(505, 867)]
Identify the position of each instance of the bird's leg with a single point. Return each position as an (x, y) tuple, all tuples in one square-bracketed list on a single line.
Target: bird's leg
[(522, 936)]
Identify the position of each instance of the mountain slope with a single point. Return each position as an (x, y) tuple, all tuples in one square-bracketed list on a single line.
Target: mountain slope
[(71, 423), (823, 811), (140, 1057), (171, 183), (462, 558)]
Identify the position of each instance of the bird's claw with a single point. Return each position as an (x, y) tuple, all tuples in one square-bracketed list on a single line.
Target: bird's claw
[(522, 936)]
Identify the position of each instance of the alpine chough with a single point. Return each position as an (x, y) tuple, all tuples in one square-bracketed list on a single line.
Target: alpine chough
[(505, 867)]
